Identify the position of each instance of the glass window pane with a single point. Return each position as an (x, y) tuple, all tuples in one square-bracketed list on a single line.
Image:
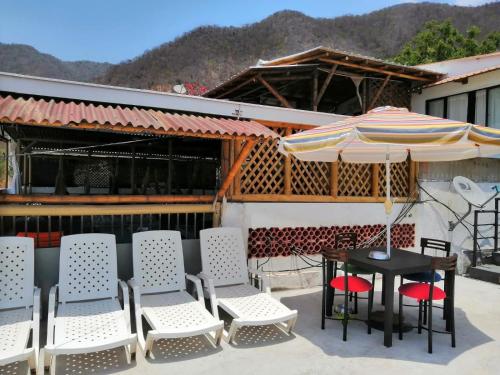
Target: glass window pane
[(480, 107), (494, 108), (436, 108), (457, 107)]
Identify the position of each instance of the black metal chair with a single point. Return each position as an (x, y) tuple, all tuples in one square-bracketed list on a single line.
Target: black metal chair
[(346, 283), (428, 292), (426, 245), (348, 241)]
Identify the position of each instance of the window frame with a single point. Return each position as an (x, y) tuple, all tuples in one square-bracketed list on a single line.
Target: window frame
[(471, 106)]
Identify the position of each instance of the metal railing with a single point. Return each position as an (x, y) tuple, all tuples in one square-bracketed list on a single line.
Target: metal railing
[(50, 221)]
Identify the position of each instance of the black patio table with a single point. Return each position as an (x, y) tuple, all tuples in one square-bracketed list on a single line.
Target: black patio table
[(402, 262)]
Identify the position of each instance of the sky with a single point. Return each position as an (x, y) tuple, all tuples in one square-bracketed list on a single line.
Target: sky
[(117, 30)]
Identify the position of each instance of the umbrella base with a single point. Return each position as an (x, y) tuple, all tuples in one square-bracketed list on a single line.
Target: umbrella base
[(379, 255)]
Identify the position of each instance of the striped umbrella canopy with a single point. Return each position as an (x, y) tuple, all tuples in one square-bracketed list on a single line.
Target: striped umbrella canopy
[(394, 134), (389, 134)]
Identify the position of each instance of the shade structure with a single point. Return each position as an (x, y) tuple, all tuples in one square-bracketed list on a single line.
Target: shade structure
[(395, 133), (388, 135)]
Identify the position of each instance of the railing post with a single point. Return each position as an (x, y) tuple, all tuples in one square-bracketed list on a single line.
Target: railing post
[(474, 248)]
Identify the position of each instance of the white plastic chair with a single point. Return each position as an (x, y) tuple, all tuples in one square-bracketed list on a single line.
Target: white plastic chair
[(226, 279), (85, 314), (19, 302), (159, 291)]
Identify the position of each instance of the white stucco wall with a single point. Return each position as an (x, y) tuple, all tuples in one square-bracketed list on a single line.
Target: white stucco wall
[(452, 88), (259, 215)]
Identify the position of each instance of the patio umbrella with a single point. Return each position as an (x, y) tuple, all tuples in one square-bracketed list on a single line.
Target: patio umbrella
[(389, 134)]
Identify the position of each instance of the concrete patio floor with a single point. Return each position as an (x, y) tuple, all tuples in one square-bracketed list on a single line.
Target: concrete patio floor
[(266, 350)]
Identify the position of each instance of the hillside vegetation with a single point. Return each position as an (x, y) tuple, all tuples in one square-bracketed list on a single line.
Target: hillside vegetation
[(209, 55)]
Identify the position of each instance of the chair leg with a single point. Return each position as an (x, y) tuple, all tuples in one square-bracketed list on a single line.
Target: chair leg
[(53, 365), (232, 332), (370, 307), (400, 316), (429, 327), (333, 290), (420, 303), (451, 317), (355, 303), (425, 313), (323, 298)]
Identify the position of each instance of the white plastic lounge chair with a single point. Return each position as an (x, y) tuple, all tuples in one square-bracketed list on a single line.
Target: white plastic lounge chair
[(159, 290), (85, 314), (226, 279), (19, 302)]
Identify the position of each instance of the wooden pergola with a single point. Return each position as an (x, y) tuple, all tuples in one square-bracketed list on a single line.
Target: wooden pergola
[(322, 79)]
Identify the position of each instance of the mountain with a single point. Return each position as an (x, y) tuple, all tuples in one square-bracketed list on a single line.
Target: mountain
[(23, 59), (210, 54)]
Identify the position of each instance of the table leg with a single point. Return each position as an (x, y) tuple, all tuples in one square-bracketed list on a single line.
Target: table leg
[(389, 309), (329, 290), (382, 295)]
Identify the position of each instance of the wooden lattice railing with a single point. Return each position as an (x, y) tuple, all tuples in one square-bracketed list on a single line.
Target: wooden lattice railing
[(267, 175)]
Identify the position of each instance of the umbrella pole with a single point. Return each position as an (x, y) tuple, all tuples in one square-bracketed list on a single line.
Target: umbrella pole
[(380, 254)]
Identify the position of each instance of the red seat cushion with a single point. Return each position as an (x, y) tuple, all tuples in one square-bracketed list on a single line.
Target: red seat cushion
[(354, 284), (420, 291)]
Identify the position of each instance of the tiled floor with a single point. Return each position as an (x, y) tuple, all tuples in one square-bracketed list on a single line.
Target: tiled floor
[(266, 350)]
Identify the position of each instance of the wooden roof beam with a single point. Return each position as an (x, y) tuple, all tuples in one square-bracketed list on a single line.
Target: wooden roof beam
[(379, 92), (273, 91), (328, 78), (372, 69), (237, 87)]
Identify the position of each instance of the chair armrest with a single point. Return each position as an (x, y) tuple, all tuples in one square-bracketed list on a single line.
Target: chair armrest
[(208, 283), (51, 315), (197, 283), (265, 284), (126, 307), (36, 319)]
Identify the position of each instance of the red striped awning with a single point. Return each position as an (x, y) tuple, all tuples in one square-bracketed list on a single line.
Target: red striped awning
[(125, 119)]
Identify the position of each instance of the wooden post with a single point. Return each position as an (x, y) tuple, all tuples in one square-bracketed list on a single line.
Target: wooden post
[(170, 167), (275, 93), (231, 162), (216, 215), (334, 179), (325, 84), (235, 167), (364, 95), (379, 92), (288, 168), (412, 177), (375, 177), (314, 99), (132, 172), (237, 177)]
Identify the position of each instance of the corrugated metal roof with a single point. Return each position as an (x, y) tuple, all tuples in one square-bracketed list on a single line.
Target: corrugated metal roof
[(463, 76), (59, 113)]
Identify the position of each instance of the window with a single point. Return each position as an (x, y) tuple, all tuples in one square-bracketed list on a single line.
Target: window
[(480, 116), (436, 108), (493, 108), (481, 107), (457, 107)]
